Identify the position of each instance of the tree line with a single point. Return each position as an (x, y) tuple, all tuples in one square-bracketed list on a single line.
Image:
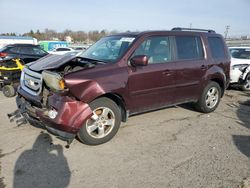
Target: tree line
[(77, 36)]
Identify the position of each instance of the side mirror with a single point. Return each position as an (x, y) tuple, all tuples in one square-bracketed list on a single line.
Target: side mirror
[(139, 60)]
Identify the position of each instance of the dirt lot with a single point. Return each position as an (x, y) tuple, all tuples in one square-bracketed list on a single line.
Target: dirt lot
[(174, 147)]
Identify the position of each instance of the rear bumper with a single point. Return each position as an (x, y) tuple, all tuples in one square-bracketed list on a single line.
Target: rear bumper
[(71, 114)]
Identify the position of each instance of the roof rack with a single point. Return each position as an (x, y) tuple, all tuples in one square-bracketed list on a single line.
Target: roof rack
[(192, 29)]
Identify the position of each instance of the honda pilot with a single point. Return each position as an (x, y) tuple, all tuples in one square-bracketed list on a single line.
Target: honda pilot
[(89, 94)]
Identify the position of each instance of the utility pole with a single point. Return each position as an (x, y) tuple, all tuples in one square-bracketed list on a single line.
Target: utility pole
[(190, 26), (226, 32)]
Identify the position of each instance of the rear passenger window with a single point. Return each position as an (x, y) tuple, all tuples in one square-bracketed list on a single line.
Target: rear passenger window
[(26, 50), (189, 47), (216, 47)]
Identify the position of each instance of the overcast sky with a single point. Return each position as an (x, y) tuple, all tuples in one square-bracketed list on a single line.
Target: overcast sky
[(20, 16)]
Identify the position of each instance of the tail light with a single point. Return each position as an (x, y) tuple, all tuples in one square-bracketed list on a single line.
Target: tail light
[(2, 54)]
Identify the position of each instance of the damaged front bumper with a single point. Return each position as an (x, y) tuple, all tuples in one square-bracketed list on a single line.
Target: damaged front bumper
[(69, 114)]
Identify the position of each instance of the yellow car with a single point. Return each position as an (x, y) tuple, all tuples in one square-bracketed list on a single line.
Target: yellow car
[(10, 72)]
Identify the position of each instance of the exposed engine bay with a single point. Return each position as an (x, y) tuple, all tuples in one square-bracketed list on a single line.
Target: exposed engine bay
[(78, 64)]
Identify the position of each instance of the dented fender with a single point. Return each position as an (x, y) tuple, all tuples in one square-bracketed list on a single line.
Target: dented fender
[(71, 113), (87, 85), (86, 90)]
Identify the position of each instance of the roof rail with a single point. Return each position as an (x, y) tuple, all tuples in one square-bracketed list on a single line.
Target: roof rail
[(192, 29)]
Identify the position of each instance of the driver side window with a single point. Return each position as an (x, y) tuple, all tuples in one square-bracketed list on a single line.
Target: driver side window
[(157, 49)]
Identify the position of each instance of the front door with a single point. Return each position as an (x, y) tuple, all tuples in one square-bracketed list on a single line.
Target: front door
[(152, 86)]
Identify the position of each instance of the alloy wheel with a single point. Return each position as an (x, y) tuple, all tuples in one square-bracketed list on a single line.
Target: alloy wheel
[(101, 122), (212, 97)]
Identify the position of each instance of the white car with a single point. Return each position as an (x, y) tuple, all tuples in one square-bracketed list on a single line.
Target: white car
[(240, 67), (61, 50)]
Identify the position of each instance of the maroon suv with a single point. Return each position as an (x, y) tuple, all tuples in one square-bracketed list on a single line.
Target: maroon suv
[(89, 94)]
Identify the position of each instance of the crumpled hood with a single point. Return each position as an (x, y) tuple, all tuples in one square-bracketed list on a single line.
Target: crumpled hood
[(51, 61)]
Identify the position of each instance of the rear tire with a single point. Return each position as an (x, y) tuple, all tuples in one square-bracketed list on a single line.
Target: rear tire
[(9, 91), (103, 125), (210, 98)]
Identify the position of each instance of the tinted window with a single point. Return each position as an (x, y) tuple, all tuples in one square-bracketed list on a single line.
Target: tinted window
[(26, 50), (79, 48), (189, 47), (38, 51), (156, 48), (216, 47), (14, 50), (62, 49)]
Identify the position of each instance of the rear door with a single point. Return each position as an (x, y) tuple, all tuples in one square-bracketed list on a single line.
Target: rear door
[(26, 54), (220, 55), (190, 67), (152, 86)]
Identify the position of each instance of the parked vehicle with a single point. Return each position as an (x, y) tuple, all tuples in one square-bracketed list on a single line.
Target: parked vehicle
[(10, 73), (26, 52), (61, 50), (79, 49), (51, 45), (88, 95), (240, 67)]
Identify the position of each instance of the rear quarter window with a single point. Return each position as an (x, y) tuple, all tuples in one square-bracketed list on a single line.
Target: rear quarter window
[(14, 50), (38, 51), (189, 47), (217, 48)]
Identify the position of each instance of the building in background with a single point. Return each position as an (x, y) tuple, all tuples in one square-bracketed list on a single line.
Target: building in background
[(69, 39)]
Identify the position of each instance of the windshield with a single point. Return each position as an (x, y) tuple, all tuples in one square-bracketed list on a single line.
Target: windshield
[(240, 53), (108, 49)]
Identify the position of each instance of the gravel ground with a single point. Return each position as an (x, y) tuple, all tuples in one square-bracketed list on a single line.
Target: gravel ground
[(173, 147)]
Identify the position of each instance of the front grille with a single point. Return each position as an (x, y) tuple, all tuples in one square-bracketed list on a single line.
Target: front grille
[(31, 82)]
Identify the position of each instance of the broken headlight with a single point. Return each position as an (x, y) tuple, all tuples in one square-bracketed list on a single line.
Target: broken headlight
[(53, 80)]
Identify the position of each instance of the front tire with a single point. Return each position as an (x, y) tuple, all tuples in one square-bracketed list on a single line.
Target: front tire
[(103, 124), (210, 98)]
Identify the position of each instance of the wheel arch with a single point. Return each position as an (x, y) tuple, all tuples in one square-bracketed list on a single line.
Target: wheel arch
[(221, 84), (216, 74), (119, 101)]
